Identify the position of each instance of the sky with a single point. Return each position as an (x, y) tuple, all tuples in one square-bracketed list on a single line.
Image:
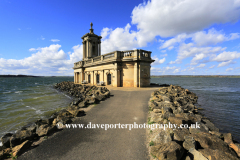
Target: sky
[(186, 37)]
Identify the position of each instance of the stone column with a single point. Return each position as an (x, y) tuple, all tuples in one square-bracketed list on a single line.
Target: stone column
[(84, 49), (92, 78), (139, 75), (101, 76), (90, 49), (96, 49), (99, 48), (115, 76), (105, 76), (74, 77), (135, 75), (87, 49), (79, 77)]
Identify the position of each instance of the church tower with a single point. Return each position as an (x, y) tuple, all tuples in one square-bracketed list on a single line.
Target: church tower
[(91, 45)]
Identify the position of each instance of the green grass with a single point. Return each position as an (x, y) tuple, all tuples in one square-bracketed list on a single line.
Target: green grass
[(149, 121), (13, 157), (150, 131), (153, 156), (151, 143)]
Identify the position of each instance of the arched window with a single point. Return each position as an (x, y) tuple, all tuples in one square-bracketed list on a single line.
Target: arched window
[(109, 79), (97, 78), (89, 78)]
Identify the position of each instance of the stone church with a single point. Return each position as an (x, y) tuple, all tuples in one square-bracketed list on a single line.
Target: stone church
[(119, 68)]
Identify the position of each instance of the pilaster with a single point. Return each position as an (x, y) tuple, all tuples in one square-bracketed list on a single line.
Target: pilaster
[(136, 75)]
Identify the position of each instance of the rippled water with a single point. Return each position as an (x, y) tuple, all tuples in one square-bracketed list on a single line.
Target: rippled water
[(24, 100), (220, 97)]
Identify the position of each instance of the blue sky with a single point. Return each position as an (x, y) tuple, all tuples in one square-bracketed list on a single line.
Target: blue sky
[(186, 37)]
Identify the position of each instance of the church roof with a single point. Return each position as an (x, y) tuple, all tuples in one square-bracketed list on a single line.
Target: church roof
[(91, 34)]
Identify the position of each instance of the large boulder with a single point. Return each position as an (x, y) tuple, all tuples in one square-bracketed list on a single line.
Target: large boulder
[(164, 136), (168, 151), (208, 141), (196, 155), (215, 154), (189, 142), (6, 140), (210, 125), (45, 129), (21, 136), (180, 133), (18, 150)]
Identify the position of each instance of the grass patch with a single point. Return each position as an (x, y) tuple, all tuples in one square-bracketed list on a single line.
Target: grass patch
[(149, 121), (151, 143), (150, 131), (11, 156), (149, 108), (153, 156)]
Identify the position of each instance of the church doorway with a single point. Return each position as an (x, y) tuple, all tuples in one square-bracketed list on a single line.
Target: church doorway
[(109, 79)]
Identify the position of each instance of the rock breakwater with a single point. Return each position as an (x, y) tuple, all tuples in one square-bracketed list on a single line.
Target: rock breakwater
[(14, 144), (194, 138)]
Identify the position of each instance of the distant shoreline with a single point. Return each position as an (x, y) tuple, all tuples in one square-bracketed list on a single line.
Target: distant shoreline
[(18, 76), (197, 76), (30, 76)]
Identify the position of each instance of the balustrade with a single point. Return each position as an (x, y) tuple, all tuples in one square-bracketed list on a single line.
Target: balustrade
[(139, 54)]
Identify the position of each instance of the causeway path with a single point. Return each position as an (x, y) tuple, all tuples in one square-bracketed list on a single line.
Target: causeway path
[(125, 106)]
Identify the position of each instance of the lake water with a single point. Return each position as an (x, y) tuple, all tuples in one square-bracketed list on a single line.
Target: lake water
[(24, 100), (219, 97)]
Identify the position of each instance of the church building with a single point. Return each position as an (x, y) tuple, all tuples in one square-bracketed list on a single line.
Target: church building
[(129, 68)]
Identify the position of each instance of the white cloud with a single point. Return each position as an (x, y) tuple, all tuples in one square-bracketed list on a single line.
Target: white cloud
[(46, 61), (189, 50), (164, 55), (118, 39), (226, 56), (170, 48), (212, 66), (105, 32), (212, 37), (158, 61), (32, 49), (167, 18), (77, 54), (55, 40), (176, 70), (201, 65), (225, 63), (173, 41), (42, 38), (234, 36), (229, 69), (170, 17)]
